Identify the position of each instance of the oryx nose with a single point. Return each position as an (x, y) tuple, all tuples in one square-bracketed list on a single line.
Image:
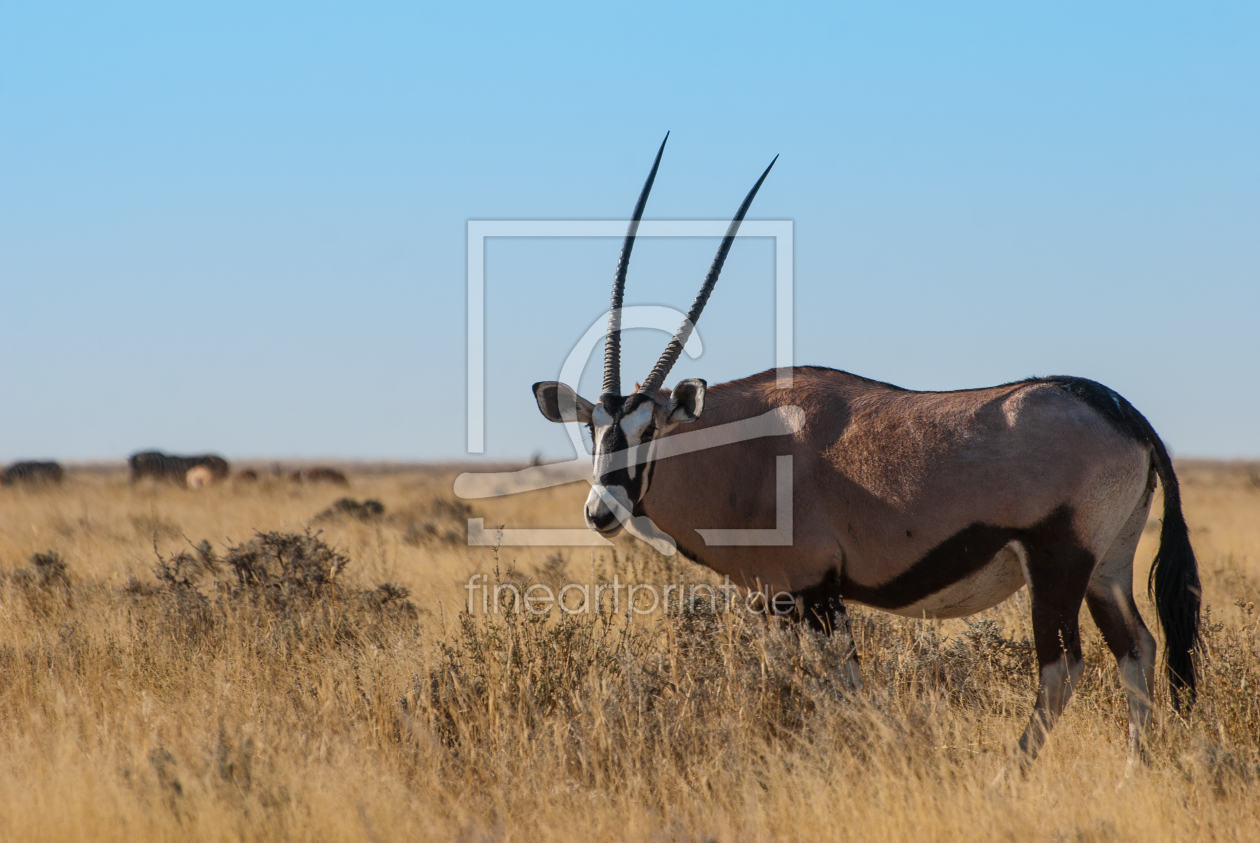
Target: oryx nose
[(601, 518)]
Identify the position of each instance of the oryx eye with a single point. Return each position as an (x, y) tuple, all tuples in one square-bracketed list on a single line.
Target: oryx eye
[(588, 439)]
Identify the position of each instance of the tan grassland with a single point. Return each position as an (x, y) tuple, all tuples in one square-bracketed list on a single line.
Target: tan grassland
[(210, 700)]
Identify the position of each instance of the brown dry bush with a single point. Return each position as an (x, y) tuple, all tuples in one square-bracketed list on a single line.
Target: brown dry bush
[(283, 581), (367, 510), (45, 584), (443, 520)]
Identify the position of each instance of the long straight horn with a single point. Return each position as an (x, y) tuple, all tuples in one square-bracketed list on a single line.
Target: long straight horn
[(657, 378), (612, 349)]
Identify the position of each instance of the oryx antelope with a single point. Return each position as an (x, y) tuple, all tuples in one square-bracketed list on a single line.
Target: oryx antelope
[(924, 504)]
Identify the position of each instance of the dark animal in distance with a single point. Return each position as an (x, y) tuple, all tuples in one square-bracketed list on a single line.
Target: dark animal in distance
[(926, 504), (30, 471), (162, 466), (319, 474)]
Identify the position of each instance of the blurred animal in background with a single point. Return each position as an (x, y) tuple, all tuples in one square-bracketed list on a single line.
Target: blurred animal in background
[(168, 467), (247, 475), (31, 472), (319, 474), (199, 477)]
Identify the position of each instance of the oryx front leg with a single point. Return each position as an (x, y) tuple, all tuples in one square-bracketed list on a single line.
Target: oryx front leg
[(823, 609), (843, 634), (1058, 680)]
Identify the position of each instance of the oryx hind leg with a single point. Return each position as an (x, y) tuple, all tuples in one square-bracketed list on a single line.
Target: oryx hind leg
[(1057, 567), (1110, 600)]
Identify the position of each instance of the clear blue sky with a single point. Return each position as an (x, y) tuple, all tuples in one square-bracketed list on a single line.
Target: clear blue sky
[(243, 229)]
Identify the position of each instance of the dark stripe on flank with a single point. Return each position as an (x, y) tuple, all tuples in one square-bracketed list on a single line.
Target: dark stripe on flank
[(953, 560)]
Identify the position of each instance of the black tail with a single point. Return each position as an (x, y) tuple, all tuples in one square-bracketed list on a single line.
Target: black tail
[(1174, 586), (1174, 582)]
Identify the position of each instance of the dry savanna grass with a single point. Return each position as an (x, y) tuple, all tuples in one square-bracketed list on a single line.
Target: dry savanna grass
[(258, 662)]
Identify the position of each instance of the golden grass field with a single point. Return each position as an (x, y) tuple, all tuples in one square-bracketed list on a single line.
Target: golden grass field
[(188, 701)]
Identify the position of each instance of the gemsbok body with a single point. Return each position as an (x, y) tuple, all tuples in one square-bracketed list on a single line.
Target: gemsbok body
[(924, 504)]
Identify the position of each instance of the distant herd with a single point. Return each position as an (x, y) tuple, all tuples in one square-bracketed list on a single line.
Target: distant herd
[(195, 472)]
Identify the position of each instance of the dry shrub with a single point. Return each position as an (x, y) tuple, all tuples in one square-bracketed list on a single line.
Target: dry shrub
[(1228, 702), (1228, 772), (554, 571), (912, 657), (349, 508), (283, 567), (45, 584), (50, 570), (291, 582), (151, 525), (443, 521)]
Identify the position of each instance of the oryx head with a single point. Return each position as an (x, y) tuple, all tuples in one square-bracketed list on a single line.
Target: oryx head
[(625, 428)]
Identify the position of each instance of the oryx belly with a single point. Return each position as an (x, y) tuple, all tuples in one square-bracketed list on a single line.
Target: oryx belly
[(975, 591)]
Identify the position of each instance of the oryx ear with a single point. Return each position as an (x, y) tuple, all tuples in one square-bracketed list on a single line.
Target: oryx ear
[(559, 403), (686, 402)]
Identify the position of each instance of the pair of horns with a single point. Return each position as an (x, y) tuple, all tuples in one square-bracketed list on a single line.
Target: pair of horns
[(612, 350)]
